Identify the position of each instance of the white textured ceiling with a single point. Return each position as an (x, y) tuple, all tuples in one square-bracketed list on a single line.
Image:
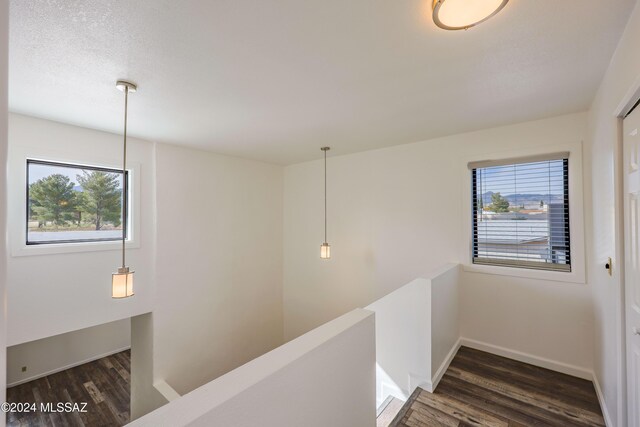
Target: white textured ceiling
[(275, 80)]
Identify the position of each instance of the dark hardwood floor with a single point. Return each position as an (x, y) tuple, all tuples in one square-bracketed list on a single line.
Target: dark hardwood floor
[(104, 385), (481, 389)]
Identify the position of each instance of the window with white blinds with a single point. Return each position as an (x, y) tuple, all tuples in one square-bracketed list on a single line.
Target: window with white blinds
[(521, 213)]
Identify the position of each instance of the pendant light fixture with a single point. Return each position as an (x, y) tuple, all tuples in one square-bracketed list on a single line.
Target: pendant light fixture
[(464, 14), (122, 281), (325, 249)]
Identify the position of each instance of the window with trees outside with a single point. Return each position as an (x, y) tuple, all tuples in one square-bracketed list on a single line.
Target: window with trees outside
[(521, 213), (69, 203)]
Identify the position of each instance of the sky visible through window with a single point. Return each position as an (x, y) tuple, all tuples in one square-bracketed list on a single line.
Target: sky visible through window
[(542, 178), (69, 203)]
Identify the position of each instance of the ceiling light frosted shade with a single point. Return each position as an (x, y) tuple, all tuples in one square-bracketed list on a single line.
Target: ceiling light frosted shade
[(122, 283), (325, 251), (463, 14)]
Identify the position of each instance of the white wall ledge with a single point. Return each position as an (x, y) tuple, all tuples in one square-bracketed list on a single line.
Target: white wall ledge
[(330, 367)]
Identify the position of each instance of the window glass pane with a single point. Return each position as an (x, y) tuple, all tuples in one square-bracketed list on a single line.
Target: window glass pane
[(521, 215), (71, 203)]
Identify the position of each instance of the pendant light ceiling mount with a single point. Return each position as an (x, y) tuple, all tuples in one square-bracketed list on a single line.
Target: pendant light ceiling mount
[(123, 85), (464, 14)]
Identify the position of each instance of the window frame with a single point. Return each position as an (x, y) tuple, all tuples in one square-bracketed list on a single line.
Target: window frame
[(125, 227), (576, 207), (17, 184), (522, 263)]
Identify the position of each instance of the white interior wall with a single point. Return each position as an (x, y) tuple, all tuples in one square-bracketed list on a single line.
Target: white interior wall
[(219, 264), (144, 396), (325, 378), (417, 333), (445, 320), (396, 213), (57, 293), (49, 355), (224, 213), (604, 221), (219, 247), (403, 340), (549, 323), (4, 71)]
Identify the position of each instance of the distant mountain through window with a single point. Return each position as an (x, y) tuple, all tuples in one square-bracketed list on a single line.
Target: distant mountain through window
[(528, 199)]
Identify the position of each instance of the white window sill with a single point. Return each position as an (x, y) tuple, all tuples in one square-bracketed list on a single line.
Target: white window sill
[(527, 273), (67, 248)]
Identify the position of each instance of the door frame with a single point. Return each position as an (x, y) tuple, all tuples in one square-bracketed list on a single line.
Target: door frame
[(625, 106)]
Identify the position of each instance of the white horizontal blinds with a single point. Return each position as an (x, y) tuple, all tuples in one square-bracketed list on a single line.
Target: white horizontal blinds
[(521, 213)]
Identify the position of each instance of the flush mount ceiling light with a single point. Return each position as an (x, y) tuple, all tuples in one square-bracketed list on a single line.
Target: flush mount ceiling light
[(122, 281), (325, 249), (464, 14)]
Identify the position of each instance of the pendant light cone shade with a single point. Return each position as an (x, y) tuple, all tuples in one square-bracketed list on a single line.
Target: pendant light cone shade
[(463, 14), (122, 281), (325, 249)]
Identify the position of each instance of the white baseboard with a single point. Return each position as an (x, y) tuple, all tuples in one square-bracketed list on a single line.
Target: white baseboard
[(71, 365), (542, 362), (603, 405), (430, 386)]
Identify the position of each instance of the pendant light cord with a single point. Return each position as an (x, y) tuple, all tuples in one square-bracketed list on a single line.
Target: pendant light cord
[(325, 196), (124, 177)]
